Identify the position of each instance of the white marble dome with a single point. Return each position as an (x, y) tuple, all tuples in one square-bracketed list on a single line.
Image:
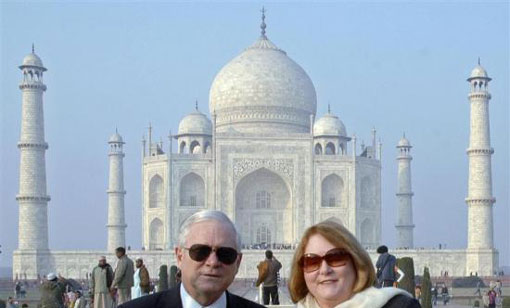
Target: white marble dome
[(116, 138), (329, 125), (404, 142), (479, 72), (32, 60), (195, 123), (262, 90)]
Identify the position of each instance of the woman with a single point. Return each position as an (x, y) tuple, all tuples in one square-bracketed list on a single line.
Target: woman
[(331, 269)]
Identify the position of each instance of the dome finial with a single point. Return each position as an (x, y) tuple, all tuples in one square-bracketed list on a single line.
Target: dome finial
[(478, 60), (329, 108), (33, 48), (263, 24), (196, 104)]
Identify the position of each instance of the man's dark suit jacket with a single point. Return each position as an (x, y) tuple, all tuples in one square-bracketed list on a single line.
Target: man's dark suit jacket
[(172, 299)]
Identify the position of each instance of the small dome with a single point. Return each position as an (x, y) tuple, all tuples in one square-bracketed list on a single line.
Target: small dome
[(116, 138), (329, 125), (403, 142), (478, 72), (195, 123), (32, 60)]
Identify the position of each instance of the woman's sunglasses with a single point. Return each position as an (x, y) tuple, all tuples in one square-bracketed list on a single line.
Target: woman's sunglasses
[(199, 253), (335, 257)]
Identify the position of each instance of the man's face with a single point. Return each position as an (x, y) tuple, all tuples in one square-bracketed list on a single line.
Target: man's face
[(118, 254), (139, 263), (102, 262), (205, 281)]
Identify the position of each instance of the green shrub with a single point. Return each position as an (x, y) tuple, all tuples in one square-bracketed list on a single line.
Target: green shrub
[(468, 282), (426, 294), (173, 273), (163, 278), (406, 264), (477, 303)]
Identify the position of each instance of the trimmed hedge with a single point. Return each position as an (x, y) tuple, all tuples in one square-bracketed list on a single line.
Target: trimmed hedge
[(163, 278), (426, 294), (406, 264), (173, 273)]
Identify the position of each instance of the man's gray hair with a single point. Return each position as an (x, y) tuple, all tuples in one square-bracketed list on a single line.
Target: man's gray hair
[(207, 215)]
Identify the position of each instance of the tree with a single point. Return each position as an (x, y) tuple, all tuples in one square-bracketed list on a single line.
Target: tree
[(163, 278), (426, 295), (406, 264), (173, 273)]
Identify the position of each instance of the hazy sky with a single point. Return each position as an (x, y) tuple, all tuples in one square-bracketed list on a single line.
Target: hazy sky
[(398, 66)]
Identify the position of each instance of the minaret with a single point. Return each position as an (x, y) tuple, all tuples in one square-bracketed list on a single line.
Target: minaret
[(479, 199), (32, 197), (116, 224), (404, 224)]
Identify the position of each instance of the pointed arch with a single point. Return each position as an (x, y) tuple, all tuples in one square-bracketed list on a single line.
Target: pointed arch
[(367, 235), (263, 198), (332, 191), (330, 149), (192, 190), (195, 147), (318, 149), (182, 147), (156, 192), (156, 234), (367, 191)]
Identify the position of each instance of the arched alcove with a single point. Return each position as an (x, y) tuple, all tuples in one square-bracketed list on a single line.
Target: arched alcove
[(367, 193), (318, 149), (192, 191), (156, 234), (156, 192), (367, 232), (330, 149), (332, 191), (262, 207)]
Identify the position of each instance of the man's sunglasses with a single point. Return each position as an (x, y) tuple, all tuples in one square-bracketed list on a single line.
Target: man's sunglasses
[(199, 253), (335, 257)]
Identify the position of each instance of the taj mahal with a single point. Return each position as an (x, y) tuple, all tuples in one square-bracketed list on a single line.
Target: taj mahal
[(263, 156)]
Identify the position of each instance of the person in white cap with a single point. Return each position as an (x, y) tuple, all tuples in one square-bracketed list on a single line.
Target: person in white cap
[(52, 291), (100, 282), (141, 280)]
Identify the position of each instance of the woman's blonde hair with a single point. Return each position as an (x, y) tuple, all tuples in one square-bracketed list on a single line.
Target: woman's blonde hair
[(340, 237)]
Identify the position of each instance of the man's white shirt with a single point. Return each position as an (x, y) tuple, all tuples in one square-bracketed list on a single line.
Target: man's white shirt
[(190, 302)]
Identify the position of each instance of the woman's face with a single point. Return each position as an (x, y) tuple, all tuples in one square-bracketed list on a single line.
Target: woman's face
[(329, 285)]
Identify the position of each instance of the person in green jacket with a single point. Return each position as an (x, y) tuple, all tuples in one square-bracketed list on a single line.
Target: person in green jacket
[(52, 291)]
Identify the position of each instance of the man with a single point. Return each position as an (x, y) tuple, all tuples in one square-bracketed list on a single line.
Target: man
[(100, 282), (268, 276), (141, 280), (52, 291), (209, 257), (123, 276), (80, 302), (386, 265)]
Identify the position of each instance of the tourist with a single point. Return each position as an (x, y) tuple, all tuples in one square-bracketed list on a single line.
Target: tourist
[(434, 295), (444, 293), (141, 280), (80, 301), (123, 276), (209, 258), (492, 298), (52, 291), (17, 289), (386, 268), (100, 282), (268, 277), (330, 268)]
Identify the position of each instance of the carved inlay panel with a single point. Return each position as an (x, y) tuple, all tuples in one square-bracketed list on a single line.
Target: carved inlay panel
[(243, 166)]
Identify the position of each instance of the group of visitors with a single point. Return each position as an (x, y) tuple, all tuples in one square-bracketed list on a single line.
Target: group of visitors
[(329, 268)]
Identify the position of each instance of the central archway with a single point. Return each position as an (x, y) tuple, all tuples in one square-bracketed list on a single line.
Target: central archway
[(263, 209)]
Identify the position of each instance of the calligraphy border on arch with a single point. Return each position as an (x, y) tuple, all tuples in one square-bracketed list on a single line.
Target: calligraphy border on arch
[(242, 166)]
